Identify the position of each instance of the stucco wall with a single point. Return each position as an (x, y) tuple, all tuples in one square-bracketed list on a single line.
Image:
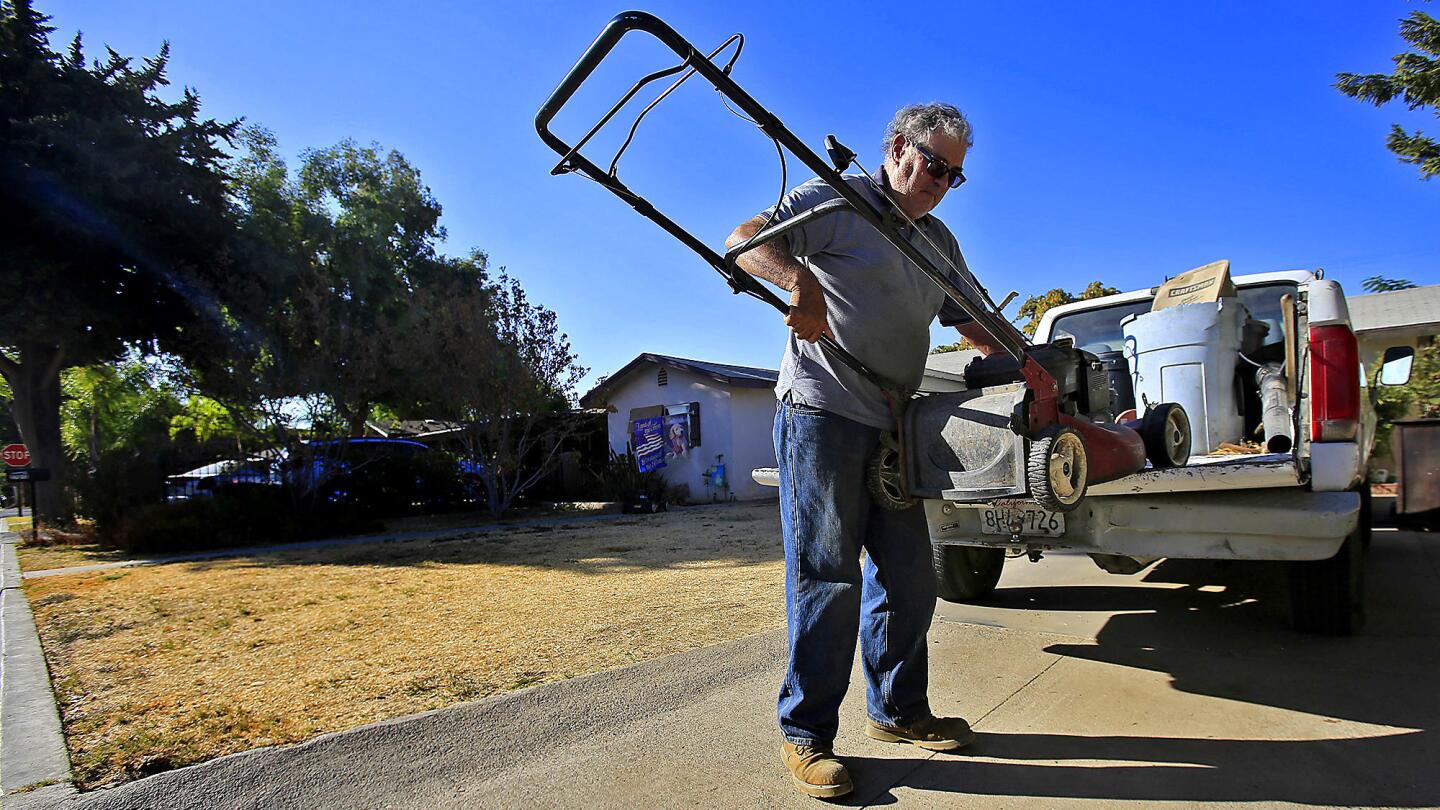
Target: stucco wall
[(735, 422)]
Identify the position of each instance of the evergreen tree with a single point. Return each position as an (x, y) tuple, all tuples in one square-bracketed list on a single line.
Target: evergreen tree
[(1379, 284), (113, 222), (1416, 81)]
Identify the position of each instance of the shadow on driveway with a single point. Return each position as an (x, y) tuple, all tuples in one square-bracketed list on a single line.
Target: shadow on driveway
[(1224, 634)]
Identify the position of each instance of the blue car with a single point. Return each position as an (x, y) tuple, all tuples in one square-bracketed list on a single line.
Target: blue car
[(381, 475)]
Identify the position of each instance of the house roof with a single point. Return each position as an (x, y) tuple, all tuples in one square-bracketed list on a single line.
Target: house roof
[(1404, 313), (950, 362), (739, 376), (416, 428)]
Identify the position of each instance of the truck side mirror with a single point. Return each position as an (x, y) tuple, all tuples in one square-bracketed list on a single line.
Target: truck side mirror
[(1395, 367)]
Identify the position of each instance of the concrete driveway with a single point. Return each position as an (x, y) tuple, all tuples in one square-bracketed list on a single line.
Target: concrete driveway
[(1182, 685)]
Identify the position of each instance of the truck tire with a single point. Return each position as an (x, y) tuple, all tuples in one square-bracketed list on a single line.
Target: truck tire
[(966, 573), (1327, 597)]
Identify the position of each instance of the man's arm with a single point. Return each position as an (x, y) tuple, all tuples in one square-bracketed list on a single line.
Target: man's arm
[(808, 317)]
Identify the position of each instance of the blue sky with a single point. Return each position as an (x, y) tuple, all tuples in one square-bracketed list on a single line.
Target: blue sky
[(1123, 142)]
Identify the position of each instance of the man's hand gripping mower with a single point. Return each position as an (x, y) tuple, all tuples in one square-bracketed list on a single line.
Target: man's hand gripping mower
[(1033, 421)]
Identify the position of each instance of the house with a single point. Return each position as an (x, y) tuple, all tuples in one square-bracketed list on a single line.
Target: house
[(1396, 318), (693, 417)]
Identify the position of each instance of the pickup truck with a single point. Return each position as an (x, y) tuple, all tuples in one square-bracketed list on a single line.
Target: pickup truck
[(1308, 507)]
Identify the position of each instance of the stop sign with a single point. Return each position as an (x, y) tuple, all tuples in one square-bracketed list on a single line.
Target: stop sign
[(16, 455)]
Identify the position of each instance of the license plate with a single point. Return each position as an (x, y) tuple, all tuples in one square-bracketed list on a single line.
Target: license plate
[(1005, 517)]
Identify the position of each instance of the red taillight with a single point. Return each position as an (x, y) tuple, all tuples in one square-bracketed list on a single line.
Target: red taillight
[(1334, 384)]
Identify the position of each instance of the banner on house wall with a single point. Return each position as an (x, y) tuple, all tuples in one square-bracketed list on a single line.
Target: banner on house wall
[(649, 441), (677, 435)]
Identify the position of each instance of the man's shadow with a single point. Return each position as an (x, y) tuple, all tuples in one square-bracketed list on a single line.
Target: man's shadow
[(1391, 771)]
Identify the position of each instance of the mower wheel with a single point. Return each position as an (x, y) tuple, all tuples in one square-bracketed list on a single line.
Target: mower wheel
[(1166, 432), (1058, 469), (884, 477)]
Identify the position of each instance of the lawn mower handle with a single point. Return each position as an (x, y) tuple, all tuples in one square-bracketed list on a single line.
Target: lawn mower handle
[(1043, 410)]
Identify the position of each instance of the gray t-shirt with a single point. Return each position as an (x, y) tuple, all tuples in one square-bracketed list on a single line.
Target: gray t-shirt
[(880, 304)]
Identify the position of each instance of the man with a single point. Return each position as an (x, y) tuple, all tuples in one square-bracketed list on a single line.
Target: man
[(848, 283)]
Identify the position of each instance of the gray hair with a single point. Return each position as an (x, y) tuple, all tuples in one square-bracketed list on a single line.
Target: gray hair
[(917, 121)]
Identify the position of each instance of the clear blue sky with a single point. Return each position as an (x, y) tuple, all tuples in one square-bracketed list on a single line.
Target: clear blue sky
[(1120, 141)]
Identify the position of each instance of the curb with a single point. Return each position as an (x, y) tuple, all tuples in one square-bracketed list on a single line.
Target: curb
[(32, 745)]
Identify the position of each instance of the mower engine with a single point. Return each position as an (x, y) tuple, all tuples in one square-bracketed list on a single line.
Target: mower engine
[(1083, 385)]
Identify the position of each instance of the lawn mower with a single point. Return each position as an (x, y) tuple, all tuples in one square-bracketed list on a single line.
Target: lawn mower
[(1033, 421)]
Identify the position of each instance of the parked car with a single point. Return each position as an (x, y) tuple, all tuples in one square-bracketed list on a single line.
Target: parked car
[(223, 476), (381, 475)]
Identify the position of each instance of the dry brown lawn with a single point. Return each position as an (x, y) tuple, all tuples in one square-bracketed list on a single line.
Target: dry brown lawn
[(162, 666), (42, 558)]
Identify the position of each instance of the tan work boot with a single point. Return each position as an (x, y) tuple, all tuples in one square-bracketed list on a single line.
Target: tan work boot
[(816, 771), (931, 733)]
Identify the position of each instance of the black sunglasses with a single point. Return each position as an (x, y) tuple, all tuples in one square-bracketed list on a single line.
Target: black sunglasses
[(938, 168)]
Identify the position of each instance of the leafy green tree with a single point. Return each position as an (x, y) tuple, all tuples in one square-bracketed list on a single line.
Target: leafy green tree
[(8, 433), (368, 315), (511, 384), (211, 422), (113, 405), (113, 222), (1415, 81), (115, 424), (1035, 307), (1418, 398), (1424, 382), (961, 345), (354, 235)]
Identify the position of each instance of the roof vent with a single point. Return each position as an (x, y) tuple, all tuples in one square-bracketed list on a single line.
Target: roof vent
[(663, 378)]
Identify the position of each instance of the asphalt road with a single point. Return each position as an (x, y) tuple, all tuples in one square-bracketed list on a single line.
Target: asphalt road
[(1182, 686)]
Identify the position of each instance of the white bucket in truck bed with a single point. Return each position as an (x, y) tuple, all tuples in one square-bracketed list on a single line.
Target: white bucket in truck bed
[(1187, 354)]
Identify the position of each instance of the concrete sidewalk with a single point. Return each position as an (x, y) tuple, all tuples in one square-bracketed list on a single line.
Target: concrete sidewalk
[(33, 757), (1189, 693)]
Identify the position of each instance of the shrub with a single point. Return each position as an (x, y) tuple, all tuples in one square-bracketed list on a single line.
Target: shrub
[(119, 482), (238, 518), (621, 480)]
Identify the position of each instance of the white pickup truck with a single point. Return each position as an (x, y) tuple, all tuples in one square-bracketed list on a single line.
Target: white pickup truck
[(1308, 506)]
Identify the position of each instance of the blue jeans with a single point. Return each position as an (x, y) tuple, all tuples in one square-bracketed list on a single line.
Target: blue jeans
[(830, 597)]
